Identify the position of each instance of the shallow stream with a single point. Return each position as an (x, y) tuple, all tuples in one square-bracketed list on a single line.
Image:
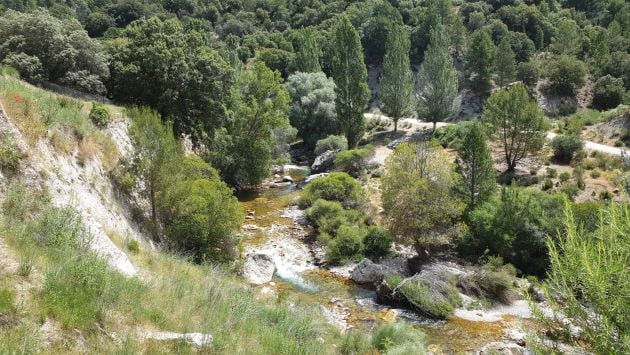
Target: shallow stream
[(272, 228)]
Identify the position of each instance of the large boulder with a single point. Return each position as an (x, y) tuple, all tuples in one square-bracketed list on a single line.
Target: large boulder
[(368, 272), (259, 268), (314, 176), (324, 161)]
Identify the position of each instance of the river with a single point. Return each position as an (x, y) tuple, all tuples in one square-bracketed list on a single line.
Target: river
[(273, 228)]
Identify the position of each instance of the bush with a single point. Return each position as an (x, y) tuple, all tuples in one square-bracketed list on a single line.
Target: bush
[(452, 136), (347, 245), (328, 216), (566, 74), (393, 338), (10, 154), (565, 176), (337, 143), (595, 174), (552, 173), (62, 229), (99, 116), (7, 301), (133, 246), (334, 187), (571, 190), (547, 184), (495, 280), (354, 161), (528, 73), (565, 146), (377, 242), (608, 93), (436, 298)]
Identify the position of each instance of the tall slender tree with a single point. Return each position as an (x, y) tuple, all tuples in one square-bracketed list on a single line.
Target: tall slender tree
[(307, 57), (350, 76), (476, 167), (505, 63), (437, 81), (397, 79), (480, 61)]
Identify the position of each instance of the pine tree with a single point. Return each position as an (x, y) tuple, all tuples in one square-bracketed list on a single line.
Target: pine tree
[(476, 167), (350, 76), (307, 57), (437, 82), (397, 79), (505, 63), (479, 61)]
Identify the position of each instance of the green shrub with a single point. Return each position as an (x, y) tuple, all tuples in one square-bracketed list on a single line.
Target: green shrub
[(452, 136), (608, 93), (99, 115), (565, 146), (10, 154), (566, 74), (133, 246), (547, 184), (571, 190), (354, 161), (437, 300), (391, 338), (377, 242), (337, 186), (9, 71), (552, 173), (347, 245), (565, 176), (595, 174), (337, 143), (528, 73), (496, 280), (62, 228), (328, 216)]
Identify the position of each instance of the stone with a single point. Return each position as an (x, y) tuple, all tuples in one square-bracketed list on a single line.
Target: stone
[(259, 269), (198, 340), (314, 176), (516, 335), (502, 348), (250, 227), (287, 178), (324, 161), (367, 272), (290, 168)]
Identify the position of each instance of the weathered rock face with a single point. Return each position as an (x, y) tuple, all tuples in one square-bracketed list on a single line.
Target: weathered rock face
[(313, 177), (367, 272), (324, 161), (259, 268)]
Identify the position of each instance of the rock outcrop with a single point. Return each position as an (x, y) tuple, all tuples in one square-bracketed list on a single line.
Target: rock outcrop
[(324, 162), (368, 272)]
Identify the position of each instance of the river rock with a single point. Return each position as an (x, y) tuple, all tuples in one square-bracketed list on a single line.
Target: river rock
[(259, 268), (324, 161), (502, 348), (287, 178), (289, 168), (367, 272), (314, 176)]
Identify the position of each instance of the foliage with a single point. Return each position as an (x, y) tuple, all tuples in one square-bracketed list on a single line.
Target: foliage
[(99, 115), (589, 278), (10, 154), (567, 40), (519, 122), (528, 73), (477, 168), (337, 186), (308, 53), (336, 143), (480, 61), (189, 82), (242, 151), (608, 93), (566, 74), (347, 245), (313, 106), (514, 226), (565, 146), (377, 242), (436, 299), (394, 338), (437, 81), (350, 75), (416, 193), (354, 161), (495, 280), (452, 136), (44, 47), (505, 63), (397, 80)]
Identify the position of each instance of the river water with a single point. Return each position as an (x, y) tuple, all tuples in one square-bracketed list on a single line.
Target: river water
[(273, 228)]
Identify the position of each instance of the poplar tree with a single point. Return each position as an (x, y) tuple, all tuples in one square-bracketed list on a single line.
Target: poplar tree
[(397, 79), (307, 57), (480, 61), (476, 167), (437, 81), (350, 76), (505, 63)]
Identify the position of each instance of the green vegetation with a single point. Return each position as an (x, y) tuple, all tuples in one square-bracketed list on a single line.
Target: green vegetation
[(476, 167), (589, 275), (480, 61), (565, 147), (519, 123), (397, 80), (99, 116), (336, 143), (435, 299), (608, 93), (354, 161), (10, 154), (417, 199), (337, 186), (350, 75)]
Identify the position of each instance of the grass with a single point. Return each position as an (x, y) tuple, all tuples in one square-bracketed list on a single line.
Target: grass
[(64, 121)]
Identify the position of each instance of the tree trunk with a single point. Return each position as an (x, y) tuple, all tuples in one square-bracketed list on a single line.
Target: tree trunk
[(395, 125)]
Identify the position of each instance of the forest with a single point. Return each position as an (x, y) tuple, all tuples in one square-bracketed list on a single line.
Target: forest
[(490, 135)]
